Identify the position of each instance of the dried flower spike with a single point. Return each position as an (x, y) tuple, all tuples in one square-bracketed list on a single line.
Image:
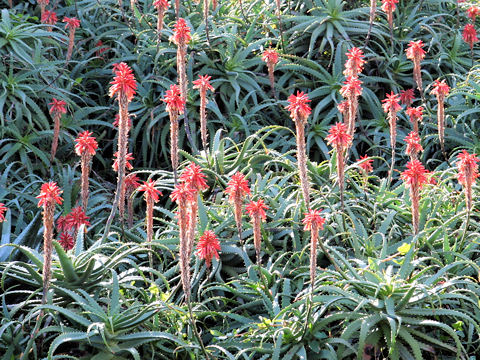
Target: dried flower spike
[(299, 112), (440, 89), (256, 210), (340, 139), (161, 6), (182, 195), (467, 174), (270, 56), (71, 24), (415, 177), (58, 107), (237, 189), (416, 53), (175, 105), (85, 148), (391, 106), (313, 222), (203, 84), (48, 198)]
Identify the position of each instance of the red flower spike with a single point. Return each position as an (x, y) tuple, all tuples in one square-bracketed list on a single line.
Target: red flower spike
[(124, 81), (203, 83), (391, 103), (298, 106), (150, 191), (270, 56), (66, 241), (49, 194), (174, 100), (128, 165), (161, 4), (181, 33), (352, 87), (194, 177), (473, 12), (415, 175), (208, 247), (237, 187), (440, 88), (407, 97), (49, 17), (3, 210), (58, 107), (389, 5), (85, 144), (354, 64), (415, 50), (43, 2), (132, 181), (365, 163), (413, 144), (313, 219), (338, 136), (467, 167), (470, 35), (71, 23), (76, 218), (257, 208)]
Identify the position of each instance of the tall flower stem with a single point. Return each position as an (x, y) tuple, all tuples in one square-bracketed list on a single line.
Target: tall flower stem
[(58, 107), (56, 134), (72, 24), (174, 145), (206, 5), (415, 177), (124, 86), (391, 106), (440, 90), (203, 84), (49, 196), (85, 164), (373, 10), (302, 162)]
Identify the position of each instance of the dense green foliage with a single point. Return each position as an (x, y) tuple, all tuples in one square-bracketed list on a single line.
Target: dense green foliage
[(379, 297)]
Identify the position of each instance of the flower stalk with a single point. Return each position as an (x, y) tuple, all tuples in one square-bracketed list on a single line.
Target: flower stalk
[(161, 6), (416, 53), (203, 84), (175, 106), (391, 106), (237, 189), (124, 88), (48, 198), (340, 139), (71, 25), (256, 210), (131, 184), (440, 90), (313, 222), (299, 112), (415, 177), (85, 148), (57, 109), (270, 56)]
